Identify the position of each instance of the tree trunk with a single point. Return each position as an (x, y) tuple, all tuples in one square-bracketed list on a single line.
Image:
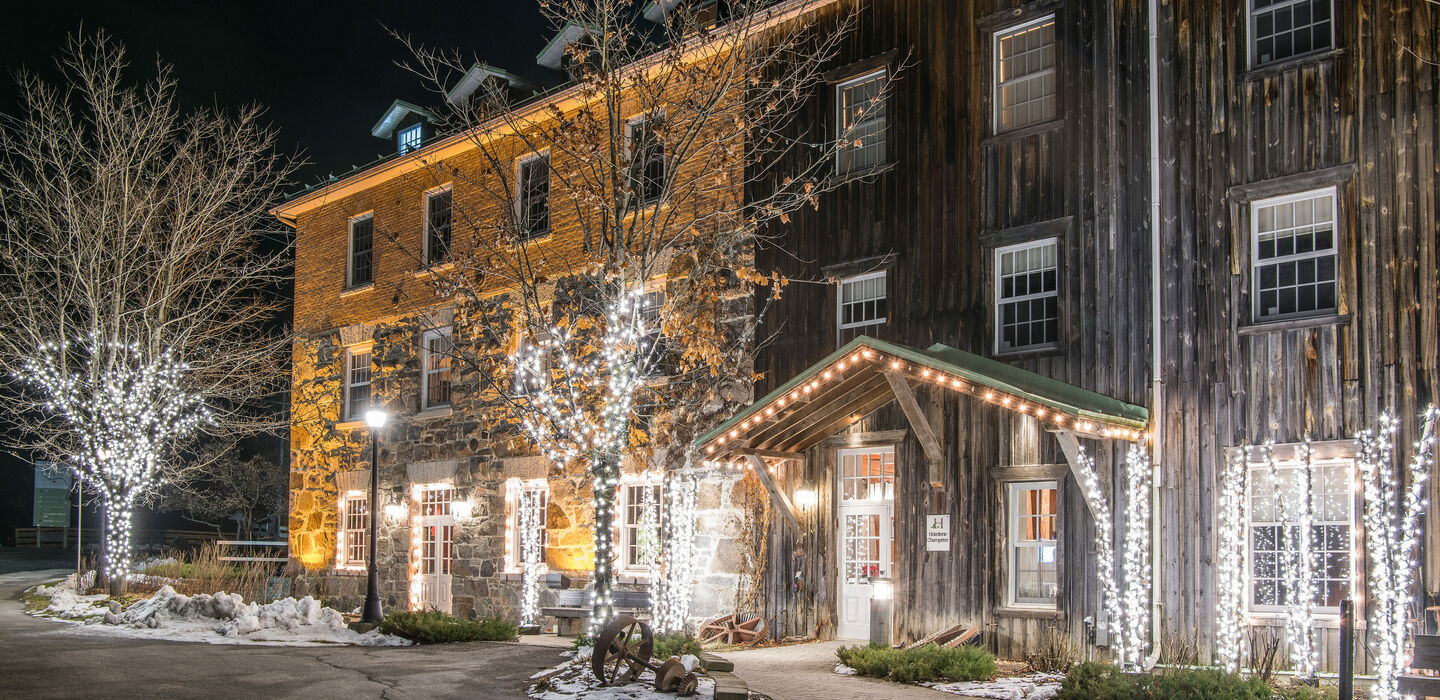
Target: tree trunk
[(115, 558), (605, 472)]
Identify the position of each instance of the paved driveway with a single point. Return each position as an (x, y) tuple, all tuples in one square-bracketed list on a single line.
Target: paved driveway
[(807, 672), (45, 659)]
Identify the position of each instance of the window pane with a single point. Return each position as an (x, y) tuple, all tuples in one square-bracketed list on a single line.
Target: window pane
[(862, 301), (1285, 28), (437, 227), (862, 123), (1025, 76), (1027, 295), (362, 235)]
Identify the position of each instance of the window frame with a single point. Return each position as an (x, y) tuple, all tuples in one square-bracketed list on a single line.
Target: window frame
[(1252, 40), (522, 209), (348, 533), (525, 334), (426, 222), (1251, 523), (996, 85), (349, 384), (515, 538), (998, 279), (426, 371), (840, 325), (1256, 317), (647, 118), (350, 252), (1013, 543), (883, 75), (403, 141), (629, 529)]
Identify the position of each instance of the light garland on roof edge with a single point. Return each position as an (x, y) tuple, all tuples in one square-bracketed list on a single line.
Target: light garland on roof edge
[(1392, 532), (124, 421), (1014, 403), (1231, 639)]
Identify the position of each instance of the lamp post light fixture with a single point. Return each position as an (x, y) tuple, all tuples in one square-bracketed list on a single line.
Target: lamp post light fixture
[(375, 418)]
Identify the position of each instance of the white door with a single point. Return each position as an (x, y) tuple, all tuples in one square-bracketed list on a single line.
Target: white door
[(867, 532), (437, 539)]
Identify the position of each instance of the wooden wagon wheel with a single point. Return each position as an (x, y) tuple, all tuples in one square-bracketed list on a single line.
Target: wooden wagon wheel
[(622, 651), (731, 630)]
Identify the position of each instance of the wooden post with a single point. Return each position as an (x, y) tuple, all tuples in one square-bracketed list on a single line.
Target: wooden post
[(1347, 649), (1071, 447), (762, 471), (906, 398)]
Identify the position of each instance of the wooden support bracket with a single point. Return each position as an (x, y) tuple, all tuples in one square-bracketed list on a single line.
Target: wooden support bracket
[(1071, 447), (762, 471), (920, 425)]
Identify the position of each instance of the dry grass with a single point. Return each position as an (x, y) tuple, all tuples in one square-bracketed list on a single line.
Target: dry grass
[(202, 571)]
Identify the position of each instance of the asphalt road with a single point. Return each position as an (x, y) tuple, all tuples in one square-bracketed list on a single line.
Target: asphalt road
[(46, 659)]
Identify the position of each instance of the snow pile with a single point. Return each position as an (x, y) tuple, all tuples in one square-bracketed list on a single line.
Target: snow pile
[(68, 599), (574, 679), (222, 618), (1032, 686)]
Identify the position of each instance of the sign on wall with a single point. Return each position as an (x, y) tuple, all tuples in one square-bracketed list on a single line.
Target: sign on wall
[(937, 533), (52, 495)]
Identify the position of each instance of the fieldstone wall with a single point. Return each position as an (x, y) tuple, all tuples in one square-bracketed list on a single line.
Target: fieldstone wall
[(718, 520)]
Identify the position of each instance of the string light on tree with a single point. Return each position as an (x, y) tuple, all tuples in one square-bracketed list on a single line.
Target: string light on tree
[(1230, 629), (1392, 533), (127, 409), (1136, 564), (1104, 551), (672, 587)]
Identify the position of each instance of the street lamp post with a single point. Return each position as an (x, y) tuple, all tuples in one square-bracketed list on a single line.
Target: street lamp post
[(376, 419)]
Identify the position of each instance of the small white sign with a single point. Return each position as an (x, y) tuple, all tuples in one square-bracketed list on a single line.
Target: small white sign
[(937, 533)]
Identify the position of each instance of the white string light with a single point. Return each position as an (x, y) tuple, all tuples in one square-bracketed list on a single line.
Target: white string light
[(532, 555), (1136, 564), (1104, 551), (1230, 637), (1392, 533), (1295, 542), (125, 420), (672, 587)]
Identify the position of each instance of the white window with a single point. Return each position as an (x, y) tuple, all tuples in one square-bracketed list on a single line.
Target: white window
[(1027, 296), (640, 524), (860, 303), (1281, 29), (1025, 80), (355, 517), (437, 225), (532, 198), (437, 540), (647, 165), (1034, 516), (360, 270), (357, 382), (535, 492), (527, 337), (409, 138), (1295, 255), (860, 122), (867, 475), (439, 351), (1272, 545)]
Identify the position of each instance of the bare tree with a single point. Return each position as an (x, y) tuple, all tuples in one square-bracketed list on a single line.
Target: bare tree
[(659, 166), (138, 273), (245, 491)]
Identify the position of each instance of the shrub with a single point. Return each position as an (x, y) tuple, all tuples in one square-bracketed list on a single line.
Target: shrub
[(927, 663), (435, 627), (1207, 684), (675, 644), (1097, 681), (1105, 682)]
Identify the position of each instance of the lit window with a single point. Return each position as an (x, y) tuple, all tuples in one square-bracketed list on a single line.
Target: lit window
[(647, 159), (640, 526), (362, 251), (437, 226), (867, 475), (357, 382), (1281, 29), (439, 352), (1027, 303), (535, 335), (409, 138), (1033, 519), (861, 303), (1272, 545), (437, 540), (356, 530), (533, 200), (537, 494), (1295, 255), (652, 309), (860, 118), (1025, 81)]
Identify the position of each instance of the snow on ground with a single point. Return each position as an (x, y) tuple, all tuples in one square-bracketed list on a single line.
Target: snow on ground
[(222, 618), (1031, 686), (574, 679)]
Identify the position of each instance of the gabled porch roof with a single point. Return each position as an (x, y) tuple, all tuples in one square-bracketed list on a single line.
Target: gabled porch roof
[(867, 373)]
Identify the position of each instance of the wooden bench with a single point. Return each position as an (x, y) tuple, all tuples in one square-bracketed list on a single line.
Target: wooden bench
[(1427, 657), (573, 606)]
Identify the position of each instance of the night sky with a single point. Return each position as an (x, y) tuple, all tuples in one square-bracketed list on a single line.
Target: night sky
[(325, 71)]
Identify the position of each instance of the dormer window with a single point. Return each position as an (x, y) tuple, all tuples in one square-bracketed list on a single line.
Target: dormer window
[(409, 138)]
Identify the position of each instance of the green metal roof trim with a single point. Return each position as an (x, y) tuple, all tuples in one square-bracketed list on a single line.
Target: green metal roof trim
[(975, 369)]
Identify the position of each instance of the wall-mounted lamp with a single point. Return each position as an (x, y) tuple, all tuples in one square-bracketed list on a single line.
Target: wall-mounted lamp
[(461, 509), (805, 498)]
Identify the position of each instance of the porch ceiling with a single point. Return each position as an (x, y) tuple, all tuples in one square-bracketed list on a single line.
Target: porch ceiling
[(851, 383)]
